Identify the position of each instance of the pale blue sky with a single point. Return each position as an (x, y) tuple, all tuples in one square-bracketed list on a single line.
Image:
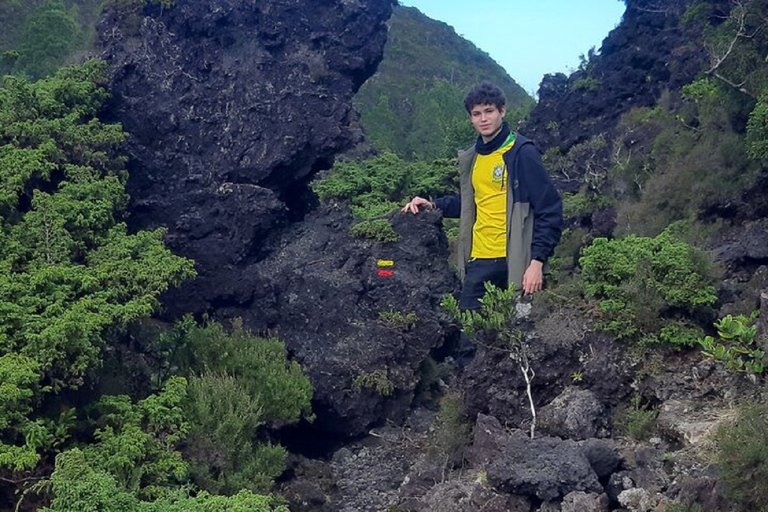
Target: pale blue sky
[(529, 38)]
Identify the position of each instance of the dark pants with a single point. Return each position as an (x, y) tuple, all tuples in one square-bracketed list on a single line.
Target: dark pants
[(477, 273)]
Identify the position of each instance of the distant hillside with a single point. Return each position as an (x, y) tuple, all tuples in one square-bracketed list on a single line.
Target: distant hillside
[(413, 104), (39, 36)]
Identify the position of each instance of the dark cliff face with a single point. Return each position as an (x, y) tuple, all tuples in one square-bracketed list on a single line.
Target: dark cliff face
[(232, 105), (649, 52)]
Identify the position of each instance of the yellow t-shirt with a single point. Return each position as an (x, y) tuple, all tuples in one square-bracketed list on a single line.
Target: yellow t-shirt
[(489, 179)]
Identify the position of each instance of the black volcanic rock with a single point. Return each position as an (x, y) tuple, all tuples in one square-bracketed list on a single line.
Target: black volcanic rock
[(321, 292), (646, 54), (232, 105)]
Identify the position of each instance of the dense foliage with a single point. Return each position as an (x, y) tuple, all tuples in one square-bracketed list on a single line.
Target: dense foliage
[(648, 289), (239, 384), (72, 275), (377, 186), (737, 344)]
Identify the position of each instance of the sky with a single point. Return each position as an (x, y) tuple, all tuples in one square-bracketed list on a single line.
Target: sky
[(529, 39)]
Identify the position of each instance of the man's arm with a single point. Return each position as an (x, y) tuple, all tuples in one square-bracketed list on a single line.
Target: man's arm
[(449, 205)]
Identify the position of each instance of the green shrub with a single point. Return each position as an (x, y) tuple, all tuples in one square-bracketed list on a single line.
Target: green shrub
[(398, 320), (647, 288), (137, 443), (374, 188), (78, 485), (239, 385), (636, 419), (224, 452), (72, 276), (737, 345), (259, 365), (379, 230), (742, 458), (757, 130), (451, 434), (50, 36), (376, 380)]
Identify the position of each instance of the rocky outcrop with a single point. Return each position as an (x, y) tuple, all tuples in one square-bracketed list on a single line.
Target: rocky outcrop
[(360, 334), (649, 53), (546, 467), (232, 105)]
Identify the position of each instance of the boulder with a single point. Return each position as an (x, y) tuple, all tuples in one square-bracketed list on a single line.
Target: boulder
[(547, 468), (232, 106)]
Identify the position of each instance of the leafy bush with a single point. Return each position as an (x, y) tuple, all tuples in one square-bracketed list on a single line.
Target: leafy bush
[(380, 230), (50, 36), (70, 272), (742, 458), (757, 130), (737, 345), (79, 486), (375, 187), (259, 365), (452, 430), (647, 288), (386, 178), (239, 386), (137, 443), (225, 455)]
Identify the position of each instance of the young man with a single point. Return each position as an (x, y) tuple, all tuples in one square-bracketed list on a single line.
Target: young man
[(511, 215)]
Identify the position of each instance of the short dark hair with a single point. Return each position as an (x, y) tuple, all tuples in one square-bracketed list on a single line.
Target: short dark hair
[(484, 93)]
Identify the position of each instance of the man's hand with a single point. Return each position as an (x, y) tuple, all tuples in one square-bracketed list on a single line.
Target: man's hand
[(533, 278), (415, 204)]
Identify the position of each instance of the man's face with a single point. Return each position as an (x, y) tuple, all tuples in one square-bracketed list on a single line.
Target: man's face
[(487, 120)]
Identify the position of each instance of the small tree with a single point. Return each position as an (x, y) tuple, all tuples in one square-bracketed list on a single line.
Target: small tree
[(495, 325)]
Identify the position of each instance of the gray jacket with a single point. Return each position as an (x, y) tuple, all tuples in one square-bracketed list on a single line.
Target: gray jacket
[(534, 209)]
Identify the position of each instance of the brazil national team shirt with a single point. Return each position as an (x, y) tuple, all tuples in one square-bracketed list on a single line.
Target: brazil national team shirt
[(489, 179)]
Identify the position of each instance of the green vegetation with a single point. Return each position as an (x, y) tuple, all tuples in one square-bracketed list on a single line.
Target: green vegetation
[(451, 434), (72, 275), (376, 380), (259, 365), (675, 507), (379, 230), (585, 84), (742, 457), (757, 130), (239, 385), (636, 419), (79, 486), (648, 289), (376, 186), (398, 320), (50, 36), (414, 105), (737, 345), (72, 280)]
